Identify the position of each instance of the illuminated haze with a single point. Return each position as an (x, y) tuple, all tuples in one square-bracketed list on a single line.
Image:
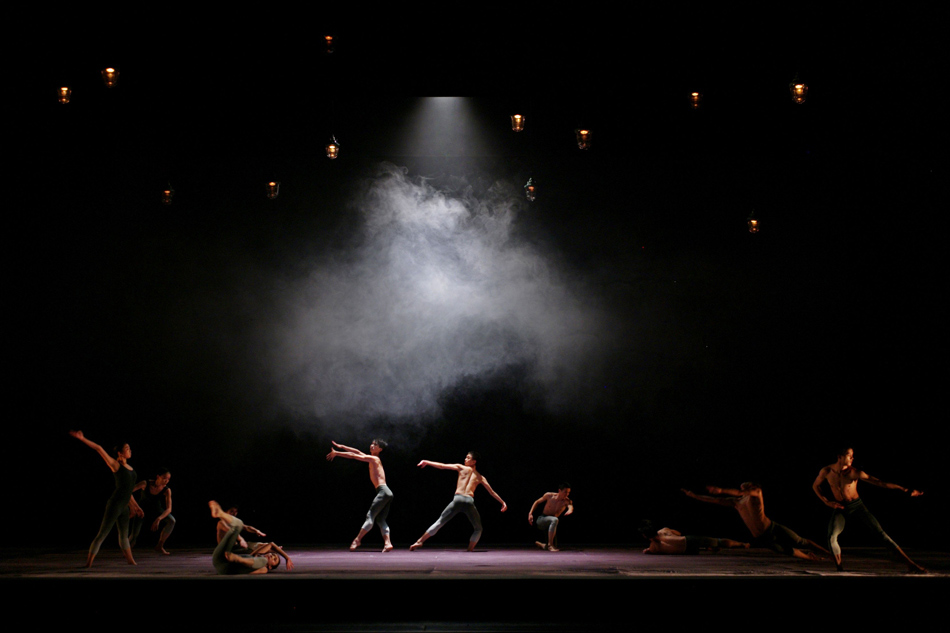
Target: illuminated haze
[(438, 290)]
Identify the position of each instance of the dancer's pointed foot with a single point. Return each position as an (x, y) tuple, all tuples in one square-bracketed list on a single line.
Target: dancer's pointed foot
[(415, 546), (354, 544)]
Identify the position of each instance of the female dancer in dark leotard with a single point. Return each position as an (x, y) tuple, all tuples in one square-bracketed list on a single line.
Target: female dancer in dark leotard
[(117, 508), (156, 502)]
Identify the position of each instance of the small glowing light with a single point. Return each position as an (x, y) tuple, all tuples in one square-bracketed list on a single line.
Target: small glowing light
[(273, 189), (517, 122), (753, 223), (694, 100), (167, 195), (329, 41), (799, 90), (64, 94), (583, 138), (333, 148), (530, 190), (110, 76)]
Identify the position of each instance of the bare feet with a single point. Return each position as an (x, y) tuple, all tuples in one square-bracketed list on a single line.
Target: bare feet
[(354, 544), (551, 548), (388, 547), (161, 550), (216, 510), (540, 545), (415, 546)]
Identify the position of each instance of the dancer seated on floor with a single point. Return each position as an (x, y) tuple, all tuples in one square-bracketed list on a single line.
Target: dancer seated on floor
[(669, 541), (227, 562), (379, 509), (748, 502), (155, 499), (464, 501), (555, 503)]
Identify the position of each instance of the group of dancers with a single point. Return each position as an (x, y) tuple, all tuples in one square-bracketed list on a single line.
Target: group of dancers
[(234, 555)]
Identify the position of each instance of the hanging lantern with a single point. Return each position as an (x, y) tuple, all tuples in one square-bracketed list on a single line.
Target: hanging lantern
[(167, 195), (530, 190), (583, 138), (329, 41), (111, 77), (64, 94), (333, 148), (799, 90), (517, 122), (273, 189), (753, 223), (694, 100)]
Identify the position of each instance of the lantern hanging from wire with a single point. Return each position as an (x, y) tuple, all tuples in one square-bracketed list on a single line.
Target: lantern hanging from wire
[(530, 190), (695, 99), (583, 138), (798, 89), (64, 94), (753, 223), (333, 148), (273, 189), (110, 76), (167, 194), (329, 41), (517, 122)]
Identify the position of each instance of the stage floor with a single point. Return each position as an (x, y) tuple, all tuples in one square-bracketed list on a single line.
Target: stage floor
[(493, 588)]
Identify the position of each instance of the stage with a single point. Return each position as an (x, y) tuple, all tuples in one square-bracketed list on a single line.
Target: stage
[(492, 589)]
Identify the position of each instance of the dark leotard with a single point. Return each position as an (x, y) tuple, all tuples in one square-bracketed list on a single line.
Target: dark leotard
[(117, 510)]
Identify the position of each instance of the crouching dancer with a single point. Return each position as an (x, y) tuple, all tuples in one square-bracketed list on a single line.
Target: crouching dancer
[(555, 503), (228, 563)]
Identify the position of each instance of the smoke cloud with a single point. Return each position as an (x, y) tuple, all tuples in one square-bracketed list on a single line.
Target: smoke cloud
[(438, 288)]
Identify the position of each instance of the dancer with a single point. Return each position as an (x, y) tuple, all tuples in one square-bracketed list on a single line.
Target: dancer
[(554, 504), (155, 500), (843, 480), (464, 500), (119, 504), (240, 545), (379, 510), (670, 541), (748, 502), (228, 563)]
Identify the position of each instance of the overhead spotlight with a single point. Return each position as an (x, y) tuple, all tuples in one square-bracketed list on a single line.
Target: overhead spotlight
[(273, 189), (329, 40), (333, 148), (530, 190), (695, 99), (110, 76), (167, 195), (64, 94), (517, 122), (753, 223), (799, 90), (583, 138)]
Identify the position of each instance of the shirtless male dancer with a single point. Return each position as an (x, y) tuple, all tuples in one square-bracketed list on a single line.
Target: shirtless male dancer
[(670, 541), (379, 510), (227, 562), (748, 502), (843, 480), (464, 500), (555, 503)]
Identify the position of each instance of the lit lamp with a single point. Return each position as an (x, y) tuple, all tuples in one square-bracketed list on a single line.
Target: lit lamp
[(64, 94), (273, 188), (329, 40), (517, 122), (694, 99), (333, 148), (111, 77), (167, 195), (583, 138), (530, 190), (798, 89), (753, 223)]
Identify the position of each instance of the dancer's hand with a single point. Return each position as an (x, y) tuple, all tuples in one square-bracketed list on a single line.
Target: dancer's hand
[(331, 454), (422, 464), (530, 519), (916, 493), (155, 524)]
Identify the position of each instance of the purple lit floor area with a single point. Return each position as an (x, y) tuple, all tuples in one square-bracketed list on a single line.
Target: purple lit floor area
[(493, 589)]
